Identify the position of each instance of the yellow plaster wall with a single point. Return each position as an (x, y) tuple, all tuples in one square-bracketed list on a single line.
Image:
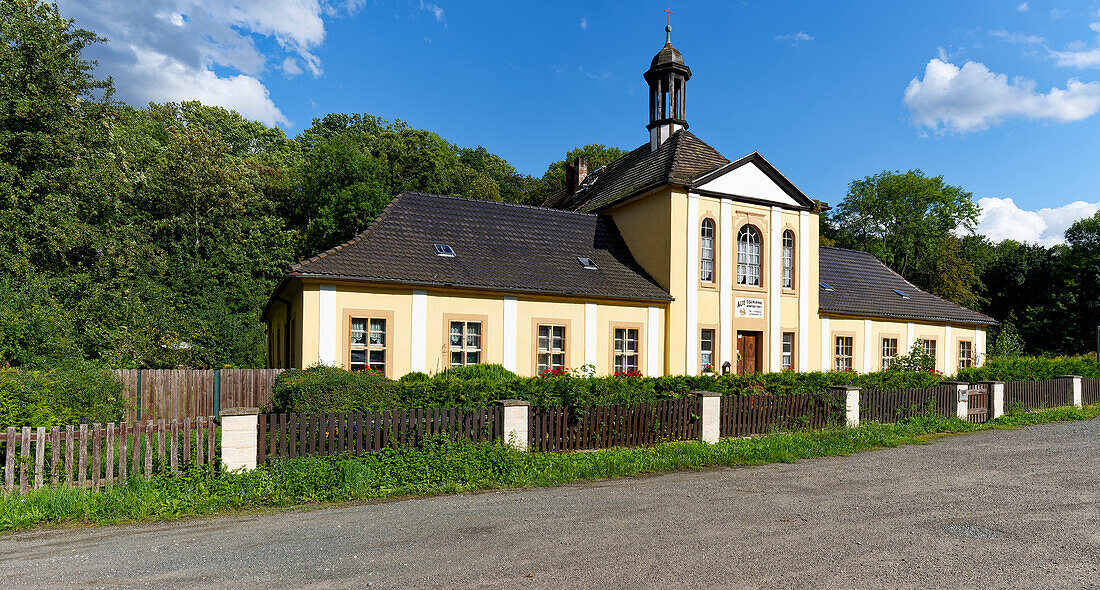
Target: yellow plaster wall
[(443, 306), (645, 225)]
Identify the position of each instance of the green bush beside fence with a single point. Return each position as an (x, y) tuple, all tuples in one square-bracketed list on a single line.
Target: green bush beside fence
[(1031, 369), (80, 394), (336, 390)]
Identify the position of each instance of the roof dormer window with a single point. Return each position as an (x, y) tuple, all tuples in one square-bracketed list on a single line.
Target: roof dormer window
[(587, 263)]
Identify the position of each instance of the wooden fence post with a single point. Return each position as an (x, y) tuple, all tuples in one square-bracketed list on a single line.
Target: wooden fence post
[(710, 411), (239, 438), (850, 395), (1075, 388), (962, 400), (516, 422), (996, 398)]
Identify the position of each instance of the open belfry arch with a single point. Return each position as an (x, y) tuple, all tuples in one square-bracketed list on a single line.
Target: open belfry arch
[(670, 260)]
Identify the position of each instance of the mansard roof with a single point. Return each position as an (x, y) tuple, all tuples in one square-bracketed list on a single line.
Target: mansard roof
[(861, 285), (496, 246)]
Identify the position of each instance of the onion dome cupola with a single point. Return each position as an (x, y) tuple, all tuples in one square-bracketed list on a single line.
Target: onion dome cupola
[(667, 77)]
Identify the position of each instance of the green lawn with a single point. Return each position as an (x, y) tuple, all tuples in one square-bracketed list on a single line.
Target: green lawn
[(445, 466)]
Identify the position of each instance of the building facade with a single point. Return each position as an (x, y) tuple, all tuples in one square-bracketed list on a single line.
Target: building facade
[(671, 260)]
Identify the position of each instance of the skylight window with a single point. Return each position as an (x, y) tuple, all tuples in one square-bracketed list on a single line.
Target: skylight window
[(825, 286), (587, 263), (903, 294), (444, 250)]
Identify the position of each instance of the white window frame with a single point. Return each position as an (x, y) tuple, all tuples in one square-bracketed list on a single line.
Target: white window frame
[(550, 345), (788, 259), (844, 352), (624, 357), (706, 352), (469, 344), (749, 253), (889, 351), (706, 251), (786, 361), (369, 348)]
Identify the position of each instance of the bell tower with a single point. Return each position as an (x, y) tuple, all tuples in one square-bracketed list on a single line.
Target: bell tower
[(667, 77)]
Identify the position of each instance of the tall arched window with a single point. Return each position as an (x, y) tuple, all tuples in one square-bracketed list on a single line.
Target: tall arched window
[(706, 251), (788, 259), (748, 256)]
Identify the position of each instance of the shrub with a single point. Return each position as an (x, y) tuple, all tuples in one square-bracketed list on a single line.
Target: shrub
[(485, 371), (332, 389), (79, 394), (1030, 369)]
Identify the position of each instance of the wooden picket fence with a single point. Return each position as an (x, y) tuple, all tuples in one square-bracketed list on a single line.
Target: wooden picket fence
[(35, 457), (744, 415), (602, 427), (1045, 393), (892, 405), (332, 433), (1090, 390), (175, 394)]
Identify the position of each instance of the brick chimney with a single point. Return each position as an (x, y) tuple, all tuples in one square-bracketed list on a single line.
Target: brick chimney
[(575, 173)]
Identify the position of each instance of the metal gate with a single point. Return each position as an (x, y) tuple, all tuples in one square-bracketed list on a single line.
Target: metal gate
[(977, 398)]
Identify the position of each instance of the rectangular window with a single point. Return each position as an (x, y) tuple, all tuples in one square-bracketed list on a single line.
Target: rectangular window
[(367, 344), (788, 351), (788, 260), (966, 354), (626, 350), (889, 352), (843, 353), (465, 343), (706, 350), (551, 348), (929, 347)]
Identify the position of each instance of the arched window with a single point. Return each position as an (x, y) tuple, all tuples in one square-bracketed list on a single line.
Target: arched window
[(748, 256), (706, 251), (788, 259)]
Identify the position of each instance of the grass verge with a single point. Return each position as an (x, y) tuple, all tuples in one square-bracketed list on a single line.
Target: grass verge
[(445, 466)]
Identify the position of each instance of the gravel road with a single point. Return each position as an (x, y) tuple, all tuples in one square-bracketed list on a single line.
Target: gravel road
[(988, 510)]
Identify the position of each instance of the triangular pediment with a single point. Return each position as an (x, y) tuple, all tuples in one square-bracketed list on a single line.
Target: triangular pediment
[(754, 179)]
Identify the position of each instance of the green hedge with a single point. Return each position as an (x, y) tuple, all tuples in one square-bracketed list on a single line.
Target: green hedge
[(1031, 369), (82, 394), (331, 389)]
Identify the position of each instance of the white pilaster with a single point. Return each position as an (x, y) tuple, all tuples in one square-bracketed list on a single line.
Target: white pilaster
[(979, 347), (950, 353), (590, 334), (327, 322), (826, 345), (805, 290), (654, 365), (419, 338), (691, 301), (775, 287), (909, 339), (726, 275), (868, 346), (509, 336)]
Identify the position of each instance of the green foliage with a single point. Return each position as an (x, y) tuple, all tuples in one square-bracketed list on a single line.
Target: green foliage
[(447, 466), (916, 360), (1005, 342), (331, 389), (1031, 369), (79, 394), (908, 220)]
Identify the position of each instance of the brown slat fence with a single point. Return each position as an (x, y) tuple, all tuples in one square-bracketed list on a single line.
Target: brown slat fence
[(175, 394), (1047, 393), (603, 427), (333, 433), (1090, 390), (891, 405), (96, 455), (743, 415)]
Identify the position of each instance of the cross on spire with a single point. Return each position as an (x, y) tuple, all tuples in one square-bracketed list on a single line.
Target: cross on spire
[(668, 27), (670, 13)]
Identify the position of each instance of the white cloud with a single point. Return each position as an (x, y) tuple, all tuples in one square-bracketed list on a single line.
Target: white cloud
[(168, 50), (1002, 219), (972, 98), (795, 38), (584, 23), (1078, 54), (435, 11), (1022, 7), (1018, 38), (1058, 12)]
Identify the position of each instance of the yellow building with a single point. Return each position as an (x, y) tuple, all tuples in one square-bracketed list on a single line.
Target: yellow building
[(671, 260)]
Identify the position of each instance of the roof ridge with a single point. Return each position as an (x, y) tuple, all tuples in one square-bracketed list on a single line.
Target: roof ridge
[(502, 203), (361, 235)]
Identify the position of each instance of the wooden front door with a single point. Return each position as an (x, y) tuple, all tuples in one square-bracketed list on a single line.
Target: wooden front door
[(748, 352)]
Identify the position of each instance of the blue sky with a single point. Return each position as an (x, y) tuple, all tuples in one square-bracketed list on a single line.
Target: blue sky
[(1001, 98)]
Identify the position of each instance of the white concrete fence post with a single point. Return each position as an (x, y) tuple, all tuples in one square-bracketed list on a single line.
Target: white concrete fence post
[(996, 398), (1075, 385), (710, 408), (962, 400), (850, 395), (516, 422), (239, 438)]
